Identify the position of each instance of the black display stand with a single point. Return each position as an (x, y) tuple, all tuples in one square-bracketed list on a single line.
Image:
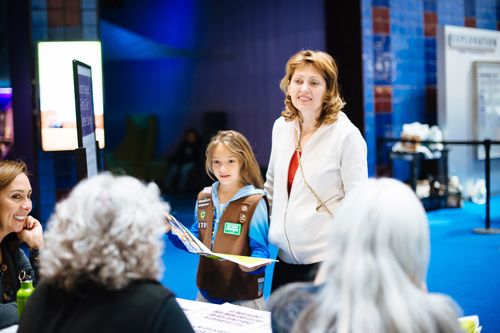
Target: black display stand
[(487, 229), (81, 163), (98, 153)]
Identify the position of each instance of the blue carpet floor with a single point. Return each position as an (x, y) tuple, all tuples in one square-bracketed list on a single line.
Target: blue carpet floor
[(464, 265)]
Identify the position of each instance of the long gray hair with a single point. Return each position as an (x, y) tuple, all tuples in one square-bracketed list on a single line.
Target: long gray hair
[(108, 232), (375, 271)]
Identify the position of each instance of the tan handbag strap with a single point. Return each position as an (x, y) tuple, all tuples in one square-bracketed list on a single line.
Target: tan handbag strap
[(299, 151)]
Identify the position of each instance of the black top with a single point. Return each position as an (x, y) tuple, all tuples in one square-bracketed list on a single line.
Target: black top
[(13, 261), (144, 306)]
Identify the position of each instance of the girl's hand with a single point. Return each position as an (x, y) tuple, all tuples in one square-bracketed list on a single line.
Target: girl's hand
[(32, 233), (167, 227), (247, 269)]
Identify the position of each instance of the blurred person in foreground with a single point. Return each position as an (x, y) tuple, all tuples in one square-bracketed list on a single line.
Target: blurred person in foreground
[(16, 226), (374, 277), (101, 263)]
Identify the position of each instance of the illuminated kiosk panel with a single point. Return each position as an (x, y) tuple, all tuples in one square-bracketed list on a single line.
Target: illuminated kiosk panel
[(57, 98)]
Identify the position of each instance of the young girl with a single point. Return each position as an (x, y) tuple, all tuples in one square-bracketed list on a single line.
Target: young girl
[(232, 218)]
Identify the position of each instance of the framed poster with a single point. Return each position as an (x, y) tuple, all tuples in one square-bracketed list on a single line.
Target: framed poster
[(487, 106)]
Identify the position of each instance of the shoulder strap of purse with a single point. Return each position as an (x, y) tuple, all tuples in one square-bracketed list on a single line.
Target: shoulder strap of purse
[(299, 151)]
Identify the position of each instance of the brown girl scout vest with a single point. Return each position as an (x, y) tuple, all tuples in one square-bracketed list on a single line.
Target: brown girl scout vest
[(224, 279)]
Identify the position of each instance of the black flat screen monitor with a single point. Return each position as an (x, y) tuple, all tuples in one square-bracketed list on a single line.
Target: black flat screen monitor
[(85, 121)]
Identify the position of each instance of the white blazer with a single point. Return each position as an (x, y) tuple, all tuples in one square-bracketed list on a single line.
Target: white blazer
[(334, 160)]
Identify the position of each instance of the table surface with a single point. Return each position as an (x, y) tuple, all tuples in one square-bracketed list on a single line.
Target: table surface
[(197, 312), (10, 329)]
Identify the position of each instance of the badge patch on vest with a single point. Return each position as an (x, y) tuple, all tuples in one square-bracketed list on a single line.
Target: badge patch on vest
[(203, 213), (232, 228), (203, 202)]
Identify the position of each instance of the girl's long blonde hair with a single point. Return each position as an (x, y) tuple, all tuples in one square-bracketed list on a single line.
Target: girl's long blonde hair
[(238, 145)]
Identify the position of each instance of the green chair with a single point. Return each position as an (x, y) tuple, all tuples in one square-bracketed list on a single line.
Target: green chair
[(135, 154)]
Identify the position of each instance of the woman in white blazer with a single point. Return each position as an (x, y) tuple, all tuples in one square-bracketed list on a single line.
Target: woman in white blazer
[(317, 157)]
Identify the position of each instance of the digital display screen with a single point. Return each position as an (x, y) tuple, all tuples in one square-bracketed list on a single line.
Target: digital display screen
[(85, 114)]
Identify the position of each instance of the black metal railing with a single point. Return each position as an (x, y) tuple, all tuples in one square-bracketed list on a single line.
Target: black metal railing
[(487, 169)]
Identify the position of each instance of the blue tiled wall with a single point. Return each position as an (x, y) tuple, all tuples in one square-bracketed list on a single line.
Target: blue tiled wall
[(368, 82), (410, 84), (451, 12), (486, 14)]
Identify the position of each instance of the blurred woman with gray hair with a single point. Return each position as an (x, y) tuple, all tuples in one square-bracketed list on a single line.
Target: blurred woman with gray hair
[(101, 262), (374, 276)]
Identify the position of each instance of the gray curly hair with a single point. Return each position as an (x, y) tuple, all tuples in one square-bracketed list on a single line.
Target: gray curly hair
[(108, 232)]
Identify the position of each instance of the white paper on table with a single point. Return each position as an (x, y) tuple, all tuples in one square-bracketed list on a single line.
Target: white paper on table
[(190, 307), (10, 329), (229, 318)]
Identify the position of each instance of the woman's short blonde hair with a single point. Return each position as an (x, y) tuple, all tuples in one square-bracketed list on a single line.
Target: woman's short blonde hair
[(325, 64), (108, 232), (239, 145)]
